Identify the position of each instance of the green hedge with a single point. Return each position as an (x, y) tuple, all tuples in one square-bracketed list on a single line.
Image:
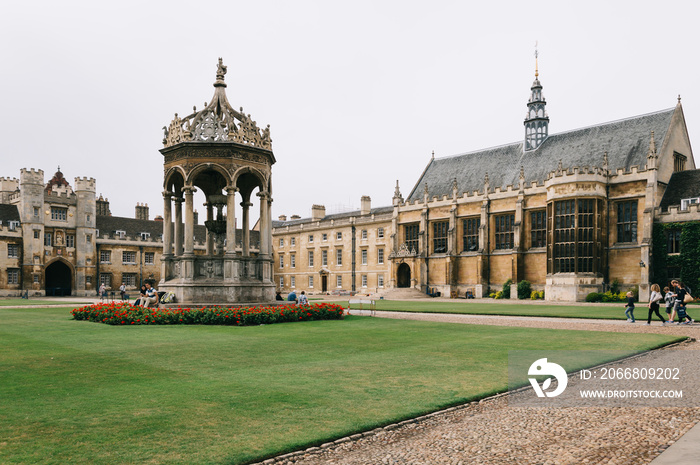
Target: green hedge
[(687, 260)]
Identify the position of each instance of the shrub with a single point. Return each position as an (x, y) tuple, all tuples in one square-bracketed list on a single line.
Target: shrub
[(540, 294), (594, 297), (524, 289), (506, 289), (123, 313), (534, 295)]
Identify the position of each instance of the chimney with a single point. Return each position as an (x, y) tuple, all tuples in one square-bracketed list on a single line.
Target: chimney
[(282, 218), (196, 217), (295, 217), (365, 205), (102, 207), (318, 212), (158, 218), (142, 211)]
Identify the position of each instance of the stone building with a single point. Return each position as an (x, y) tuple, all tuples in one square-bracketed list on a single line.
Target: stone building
[(569, 212), (335, 253)]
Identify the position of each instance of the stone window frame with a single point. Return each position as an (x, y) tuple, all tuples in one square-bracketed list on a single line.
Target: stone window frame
[(48, 239), (380, 280), (292, 282), (380, 256), (70, 241), (311, 281), (440, 233), (149, 258), (106, 279), (311, 258), (281, 261), (673, 241), (364, 256), (105, 254), (292, 260), (627, 211), (380, 233), (573, 232), (504, 231), (364, 280), (126, 254), (339, 281), (363, 235), (338, 257), (12, 250), (538, 228), (411, 233), (324, 258), (13, 276), (470, 234), (59, 214)]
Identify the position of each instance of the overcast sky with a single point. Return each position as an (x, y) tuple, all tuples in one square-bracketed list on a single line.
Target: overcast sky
[(358, 94)]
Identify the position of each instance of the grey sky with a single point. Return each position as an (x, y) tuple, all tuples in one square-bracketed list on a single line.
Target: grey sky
[(357, 94)]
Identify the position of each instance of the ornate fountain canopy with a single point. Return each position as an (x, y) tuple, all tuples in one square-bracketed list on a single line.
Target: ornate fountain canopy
[(217, 122)]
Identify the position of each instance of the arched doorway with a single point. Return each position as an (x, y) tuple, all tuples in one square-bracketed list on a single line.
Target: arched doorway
[(59, 279), (403, 275)]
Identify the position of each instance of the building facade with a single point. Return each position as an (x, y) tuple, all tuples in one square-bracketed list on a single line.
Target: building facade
[(338, 253)]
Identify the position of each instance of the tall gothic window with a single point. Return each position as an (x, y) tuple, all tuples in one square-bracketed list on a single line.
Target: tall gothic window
[(411, 236), (504, 231), (574, 236), (674, 241), (627, 221), (470, 234), (538, 229), (440, 236)]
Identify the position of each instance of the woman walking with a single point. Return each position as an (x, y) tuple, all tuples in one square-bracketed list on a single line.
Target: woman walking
[(654, 300)]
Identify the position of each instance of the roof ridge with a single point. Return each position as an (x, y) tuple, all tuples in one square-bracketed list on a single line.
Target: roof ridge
[(607, 123)]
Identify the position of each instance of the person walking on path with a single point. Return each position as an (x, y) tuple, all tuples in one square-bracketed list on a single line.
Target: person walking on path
[(669, 298), (103, 292), (629, 308), (122, 290), (654, 300)]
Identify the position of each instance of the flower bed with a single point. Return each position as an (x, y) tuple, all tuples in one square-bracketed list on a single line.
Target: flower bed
[(123, 313)]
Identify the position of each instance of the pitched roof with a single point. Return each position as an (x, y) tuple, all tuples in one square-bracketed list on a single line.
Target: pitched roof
[(134, 227), (335, 216), (626, 141), (682, 185), (8, 213)]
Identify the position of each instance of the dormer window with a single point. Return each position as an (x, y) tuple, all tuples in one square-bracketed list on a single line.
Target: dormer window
[(13, 225), (145, 236), (121, 234), (690, 201)]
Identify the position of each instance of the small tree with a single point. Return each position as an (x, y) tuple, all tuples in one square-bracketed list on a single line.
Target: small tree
[(506, 289), (524, 289)]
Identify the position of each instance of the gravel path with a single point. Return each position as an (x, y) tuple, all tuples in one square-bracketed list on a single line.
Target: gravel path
[(490, 432)]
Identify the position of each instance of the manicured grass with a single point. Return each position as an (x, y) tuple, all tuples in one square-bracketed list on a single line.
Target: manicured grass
[(613, 312), (85, 393), (23, 302)]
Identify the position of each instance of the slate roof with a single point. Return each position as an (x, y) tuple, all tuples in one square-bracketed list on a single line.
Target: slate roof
[(682, 185), (8, 213), (626, 141), (134, 227), (335, 216)]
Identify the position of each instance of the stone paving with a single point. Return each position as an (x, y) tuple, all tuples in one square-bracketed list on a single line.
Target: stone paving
[(490, 432)]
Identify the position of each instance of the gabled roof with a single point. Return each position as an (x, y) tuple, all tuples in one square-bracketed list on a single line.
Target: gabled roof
[(682, 185), (626, 141)]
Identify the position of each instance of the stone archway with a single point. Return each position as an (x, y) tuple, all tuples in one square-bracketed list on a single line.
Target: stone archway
[(59, 279), (403, 275)]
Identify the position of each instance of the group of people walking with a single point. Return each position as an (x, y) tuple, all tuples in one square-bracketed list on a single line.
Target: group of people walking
[(676, 298)]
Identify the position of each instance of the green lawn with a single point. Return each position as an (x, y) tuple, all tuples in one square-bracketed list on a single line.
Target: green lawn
[(615, 311), (86, 393), (23, 302)]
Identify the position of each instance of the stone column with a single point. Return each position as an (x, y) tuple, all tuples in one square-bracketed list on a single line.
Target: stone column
[(189, 220), (210, 235), (264, 223), (178, 227), (246, 228), (167, 224), (231, 220)]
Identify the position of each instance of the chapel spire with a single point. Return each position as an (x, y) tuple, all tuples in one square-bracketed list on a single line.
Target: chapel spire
[(537, 120)]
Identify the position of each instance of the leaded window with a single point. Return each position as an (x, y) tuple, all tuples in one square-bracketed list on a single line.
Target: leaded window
[(470, 234), (12, 251), (505, 231), (12, 276), (440, 236), (105, 256), (574, 236), (627, 221), (128, 257), (324, 258), (59, 214), (411, 236), (674, 241), (538, 229)]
